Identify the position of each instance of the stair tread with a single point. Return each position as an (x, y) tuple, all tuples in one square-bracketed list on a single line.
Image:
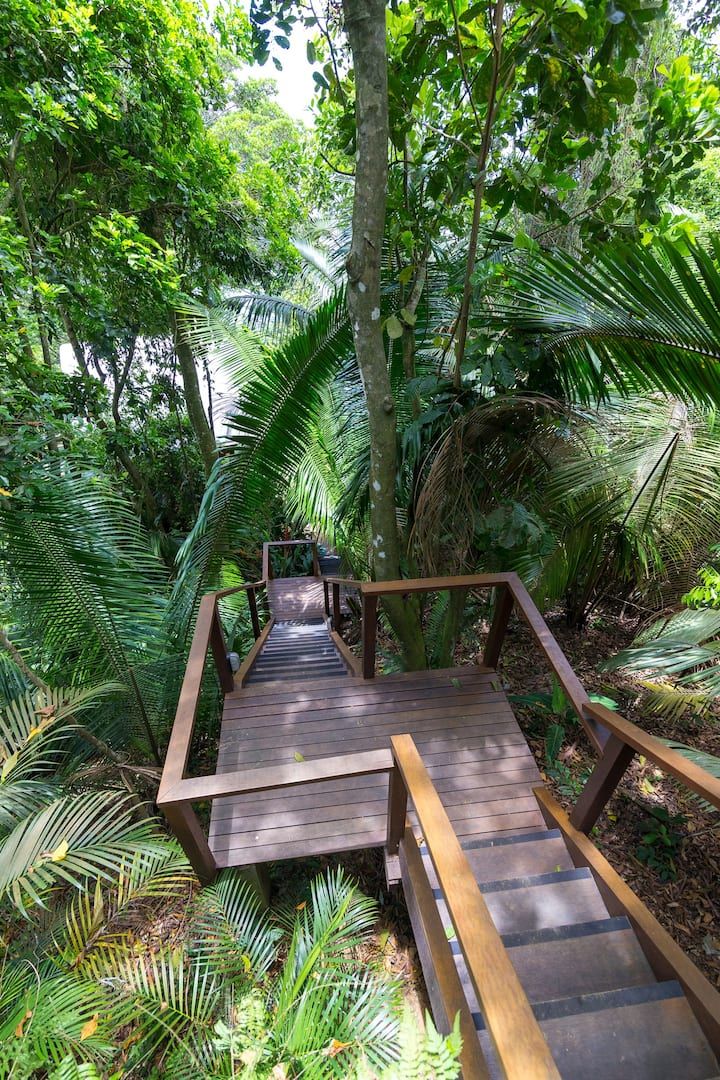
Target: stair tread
[(527, 857), (645, 1033), (545, 904), (565, 967)]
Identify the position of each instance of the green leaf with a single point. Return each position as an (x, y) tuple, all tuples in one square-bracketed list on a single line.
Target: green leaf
[(393, 327)]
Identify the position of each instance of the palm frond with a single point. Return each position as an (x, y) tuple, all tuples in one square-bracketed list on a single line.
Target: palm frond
[(709, 762), (94, 918), (635, 319), (232, 932), (163, 995), (56, 1016), (85, 588), (269, 434), (74, 838)]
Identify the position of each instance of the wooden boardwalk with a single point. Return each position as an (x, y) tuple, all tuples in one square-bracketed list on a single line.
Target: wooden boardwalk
[(553, 966), (463, 727)]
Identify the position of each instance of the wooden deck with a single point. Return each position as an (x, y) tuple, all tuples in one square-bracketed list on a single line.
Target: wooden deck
[(463, 727), (524, 931)]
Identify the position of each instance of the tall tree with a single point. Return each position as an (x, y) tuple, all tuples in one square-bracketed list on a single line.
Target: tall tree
[(365, 24)]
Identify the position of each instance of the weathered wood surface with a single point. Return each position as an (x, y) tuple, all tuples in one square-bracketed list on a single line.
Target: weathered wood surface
[(292, 598), (461, 722)]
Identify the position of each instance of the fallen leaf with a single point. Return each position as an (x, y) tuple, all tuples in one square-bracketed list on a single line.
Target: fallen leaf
[(335, 1047), (301, 905), (711, 947), (9, 765), (298, 756), (60, 852), (89, 1029), (19, 1029), (6, 493)]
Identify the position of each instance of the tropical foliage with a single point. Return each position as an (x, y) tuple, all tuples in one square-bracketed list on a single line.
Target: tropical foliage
[(181, 379)]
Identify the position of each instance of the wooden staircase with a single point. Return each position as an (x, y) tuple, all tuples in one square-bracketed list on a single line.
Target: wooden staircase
[(553, 965), (297, 650), (601, 1009)]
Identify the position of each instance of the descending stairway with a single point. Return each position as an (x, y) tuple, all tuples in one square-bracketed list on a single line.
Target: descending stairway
[(604, 1014), (297, 650)]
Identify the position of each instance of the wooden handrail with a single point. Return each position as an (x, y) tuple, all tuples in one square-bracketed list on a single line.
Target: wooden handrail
[(270, 777), (664, 955), (208, 634), (519, 1043), (626, 740), (509, 591), (347, 582)]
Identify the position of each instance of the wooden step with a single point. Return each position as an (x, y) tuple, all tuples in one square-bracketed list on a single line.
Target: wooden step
[(565, 961), (540, 901), (639, 1033), (523, 855)]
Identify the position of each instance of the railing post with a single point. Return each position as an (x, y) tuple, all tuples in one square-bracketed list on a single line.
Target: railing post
[(326, 594), (219, 649), (501, 617), (336, 607), (267, 571), (316, 560), (397, 810), (601, 783), (369, 635), (252, 604), (184, 823)]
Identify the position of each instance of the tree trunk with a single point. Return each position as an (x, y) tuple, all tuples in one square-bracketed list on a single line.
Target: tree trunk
[(365, 24), (15, 185), (497, 13), (193, 398)]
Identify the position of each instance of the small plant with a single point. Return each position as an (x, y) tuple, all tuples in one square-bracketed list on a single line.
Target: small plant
[(568, 783), (661, 842)]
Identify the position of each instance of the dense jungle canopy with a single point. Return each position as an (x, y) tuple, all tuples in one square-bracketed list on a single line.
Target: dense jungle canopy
[(462, 314)]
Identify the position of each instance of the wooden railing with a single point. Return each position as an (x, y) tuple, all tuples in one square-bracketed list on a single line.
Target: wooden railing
[(625, 741), (267, 570), (509, 592), (517, 1039), (208, 636)]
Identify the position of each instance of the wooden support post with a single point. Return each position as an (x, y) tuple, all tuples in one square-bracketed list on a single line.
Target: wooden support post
[(501, 616), (252, 604), (184, 823), (601, 783), (369, 634), (397, 810), (219, 650), (316, 560), (257, 876), (326, 594), (336, 614)]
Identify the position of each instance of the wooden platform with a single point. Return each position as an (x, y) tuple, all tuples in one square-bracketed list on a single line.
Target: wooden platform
[(296, 598), (462, 724)]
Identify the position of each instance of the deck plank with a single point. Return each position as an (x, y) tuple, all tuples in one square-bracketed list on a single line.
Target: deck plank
[(460, 719)]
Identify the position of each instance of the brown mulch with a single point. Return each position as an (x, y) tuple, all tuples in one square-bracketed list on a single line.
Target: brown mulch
[(688, 906)]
